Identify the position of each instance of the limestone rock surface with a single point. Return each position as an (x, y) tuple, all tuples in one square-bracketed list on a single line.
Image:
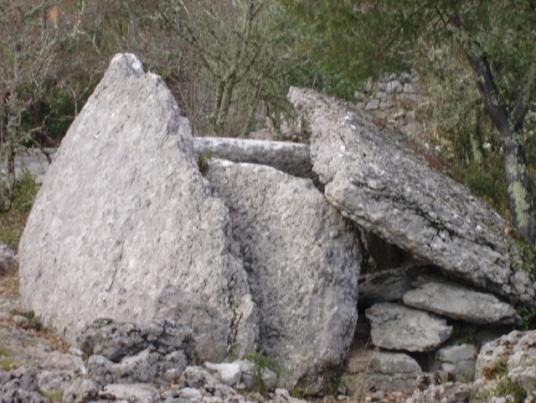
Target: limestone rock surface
[(458, 360), (384, 286), (377, 370), (124, 212), (459, 302), (292, 158), (373, 175), (397, 327), (302, 261)]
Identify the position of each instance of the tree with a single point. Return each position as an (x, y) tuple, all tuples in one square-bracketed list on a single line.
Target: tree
[(27, 39), (496, 39), (242, 48)]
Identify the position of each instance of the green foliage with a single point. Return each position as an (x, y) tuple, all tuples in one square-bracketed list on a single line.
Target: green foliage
[(203, 163), (34, 323), (528, 315), (53, 395), (24, 193), (486, 180), (261, 364), (13, 220), (335, 384), (506, 387), (297, 394), (498, 369)]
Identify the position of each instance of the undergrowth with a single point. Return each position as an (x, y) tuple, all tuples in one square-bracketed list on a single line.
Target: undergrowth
[(13, 220)]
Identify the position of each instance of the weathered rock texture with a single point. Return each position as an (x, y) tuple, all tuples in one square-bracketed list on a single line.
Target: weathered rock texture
[(459, 302), (384, 286), (292, 158), (458, 360), (509, 360), (396, 327), (302, 261), (125, 212), (385, 371), (373, 176)]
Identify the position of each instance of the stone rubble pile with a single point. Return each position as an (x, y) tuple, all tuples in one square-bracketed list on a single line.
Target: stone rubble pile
[(169, 267)]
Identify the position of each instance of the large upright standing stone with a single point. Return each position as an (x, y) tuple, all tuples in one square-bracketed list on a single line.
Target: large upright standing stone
[(302, 261), (124, 213), (373, 176)]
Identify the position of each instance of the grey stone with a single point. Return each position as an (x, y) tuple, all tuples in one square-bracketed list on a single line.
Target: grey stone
[(190, 394), (208, 325), (384, 286), (229, 373), (141, 368), (116, 340), (124, 184), (514, 353), (396, 327), (54, 380), (459, 360), (61, 361), (450, 392), (292, 158), (80, 390), (377, 370), (197, 377), (372, 105), (459, 302), (375, 178), (30, 160), (100, 369), (302, 261), (20, 385), (394, 87), (137, 392), (8, 260)]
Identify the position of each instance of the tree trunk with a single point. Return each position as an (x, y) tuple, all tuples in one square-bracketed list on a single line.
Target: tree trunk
[(519, 186)]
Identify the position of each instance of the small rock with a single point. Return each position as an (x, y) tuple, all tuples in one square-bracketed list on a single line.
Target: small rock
[(8, 260), (20, 321), (80, 390), (197, 377), (116, 340), (377, 370), (99, 369), (384, 286), (190, 394), (54, 380), (458, 360), (445, 393), (229, 373), (137, 392), (372, 105), (396, 327)]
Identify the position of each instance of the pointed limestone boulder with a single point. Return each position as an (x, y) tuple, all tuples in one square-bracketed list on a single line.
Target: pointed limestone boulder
[(124, 214)]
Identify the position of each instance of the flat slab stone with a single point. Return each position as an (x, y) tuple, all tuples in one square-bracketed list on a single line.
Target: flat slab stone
[(124, 213), (397, 327), (459, 302), (373, 176), (302, 260), (292, 158), (369, 369)]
